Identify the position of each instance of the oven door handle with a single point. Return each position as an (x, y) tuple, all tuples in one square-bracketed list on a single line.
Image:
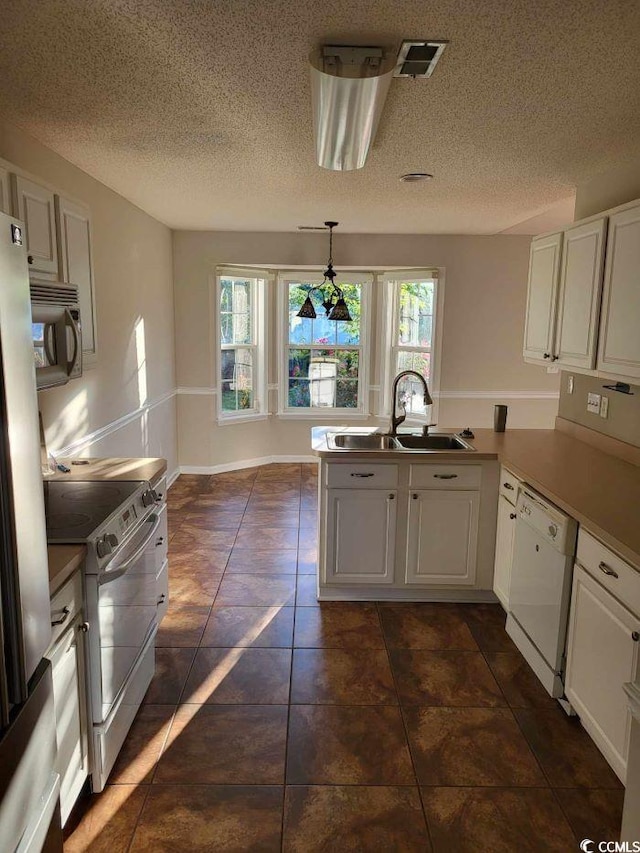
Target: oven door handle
[(111, 574)]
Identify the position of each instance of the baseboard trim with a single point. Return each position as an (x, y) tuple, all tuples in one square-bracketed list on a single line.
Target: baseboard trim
[(241, 464), (172, 477)]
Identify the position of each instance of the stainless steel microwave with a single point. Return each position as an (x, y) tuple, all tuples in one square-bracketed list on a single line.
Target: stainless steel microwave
[(56, 331)]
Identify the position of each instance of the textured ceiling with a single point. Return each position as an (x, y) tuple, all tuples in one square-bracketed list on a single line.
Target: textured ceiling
[(199, 111)]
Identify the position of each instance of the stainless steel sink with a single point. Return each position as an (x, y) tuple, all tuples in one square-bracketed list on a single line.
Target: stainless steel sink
[(434, 441), (362, 441)]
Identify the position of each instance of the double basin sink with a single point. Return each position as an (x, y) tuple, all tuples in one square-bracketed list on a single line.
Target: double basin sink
[(436, 441)]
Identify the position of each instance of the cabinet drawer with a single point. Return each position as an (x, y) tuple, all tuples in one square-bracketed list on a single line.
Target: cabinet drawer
[(509, 485), (65, 604), (431, 476), (362, 476), (611, 571)]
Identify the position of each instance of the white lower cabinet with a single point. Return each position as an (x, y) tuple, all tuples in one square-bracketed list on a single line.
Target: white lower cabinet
[(361, 535), (603, 648), (69, 695), (423, 531), (442, 536)]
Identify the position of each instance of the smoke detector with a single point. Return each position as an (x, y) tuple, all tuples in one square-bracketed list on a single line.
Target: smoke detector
[(418, 58)]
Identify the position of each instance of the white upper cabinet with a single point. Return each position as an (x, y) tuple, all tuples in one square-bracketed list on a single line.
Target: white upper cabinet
[(74, 234), (544, 269), (34, 205), (5, 192), (579, 295), (619, 348)]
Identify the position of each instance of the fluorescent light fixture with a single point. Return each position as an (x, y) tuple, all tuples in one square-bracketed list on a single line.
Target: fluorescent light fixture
[(349, 86)]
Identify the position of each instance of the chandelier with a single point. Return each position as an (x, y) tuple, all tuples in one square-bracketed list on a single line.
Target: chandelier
[(333, 302)]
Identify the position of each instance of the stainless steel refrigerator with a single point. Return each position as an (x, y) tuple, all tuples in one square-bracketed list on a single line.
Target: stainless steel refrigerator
[(29, 787)]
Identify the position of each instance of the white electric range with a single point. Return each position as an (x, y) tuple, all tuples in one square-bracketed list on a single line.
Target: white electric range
[(122, 527)]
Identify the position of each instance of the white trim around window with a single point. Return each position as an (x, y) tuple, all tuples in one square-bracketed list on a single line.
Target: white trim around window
[(389, 319), (247, 309), (285, 278)]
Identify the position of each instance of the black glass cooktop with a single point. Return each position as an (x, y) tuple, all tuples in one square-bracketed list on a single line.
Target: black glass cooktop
[(75, 509)]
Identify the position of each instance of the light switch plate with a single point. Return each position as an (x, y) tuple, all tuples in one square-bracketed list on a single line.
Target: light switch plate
[(593, 403), (604, 407)]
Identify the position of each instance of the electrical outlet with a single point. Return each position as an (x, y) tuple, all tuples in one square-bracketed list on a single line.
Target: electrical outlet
[(569, 384), (604, 407), (593, 403)]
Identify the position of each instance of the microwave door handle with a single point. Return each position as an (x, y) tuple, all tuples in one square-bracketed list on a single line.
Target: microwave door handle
[(109, 575), (46, 332), (76, 339)]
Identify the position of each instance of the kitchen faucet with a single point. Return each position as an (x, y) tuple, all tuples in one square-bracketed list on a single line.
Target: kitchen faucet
[(396, 421)]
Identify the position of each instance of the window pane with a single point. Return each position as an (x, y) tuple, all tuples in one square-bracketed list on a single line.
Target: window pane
[(410, 390), (323, 378), (304, 330), (346, 394), (235, 311), (237, 379), (416, 313), (299, 394)]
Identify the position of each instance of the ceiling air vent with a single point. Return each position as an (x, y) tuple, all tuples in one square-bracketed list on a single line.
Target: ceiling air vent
[(418, 58)]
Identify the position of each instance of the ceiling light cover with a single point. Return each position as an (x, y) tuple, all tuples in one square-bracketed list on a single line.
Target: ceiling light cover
[(346, 110)]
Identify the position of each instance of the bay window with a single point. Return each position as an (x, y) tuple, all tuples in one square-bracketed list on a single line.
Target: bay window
[(323, 362)]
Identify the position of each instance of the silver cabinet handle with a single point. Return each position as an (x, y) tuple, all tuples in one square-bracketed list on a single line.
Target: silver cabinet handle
[(415, 496), (635, 636), (546, 355), (162, 598), (392, 497), (445, 476), (607, 570), (508, 486), (512, 515), (84, 627), (63, 618), (362, 475), (159, 541)]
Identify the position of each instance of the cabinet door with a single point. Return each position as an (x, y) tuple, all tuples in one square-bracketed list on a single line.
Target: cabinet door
[(5, 193), (602, 656), (504, 550), (74, 235), (361, 533), (67, 665), (579, 295), (544, 267), (35, 207), (442, 537), (619, 348)]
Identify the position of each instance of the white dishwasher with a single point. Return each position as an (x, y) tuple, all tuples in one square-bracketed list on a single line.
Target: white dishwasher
[(540, 592)]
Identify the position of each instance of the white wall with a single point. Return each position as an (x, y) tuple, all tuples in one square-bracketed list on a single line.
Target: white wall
[(485, 291), (609, 189), (125, 405)]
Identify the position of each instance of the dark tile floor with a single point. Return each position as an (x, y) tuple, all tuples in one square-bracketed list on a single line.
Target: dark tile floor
[(277, 723)]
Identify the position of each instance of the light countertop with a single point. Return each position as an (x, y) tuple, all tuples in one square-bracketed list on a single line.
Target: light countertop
[(111, 469), (64, 560), (599, 490)]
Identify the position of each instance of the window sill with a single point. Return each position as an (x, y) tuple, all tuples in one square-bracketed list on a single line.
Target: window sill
[(321, 415), (224, 420)]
